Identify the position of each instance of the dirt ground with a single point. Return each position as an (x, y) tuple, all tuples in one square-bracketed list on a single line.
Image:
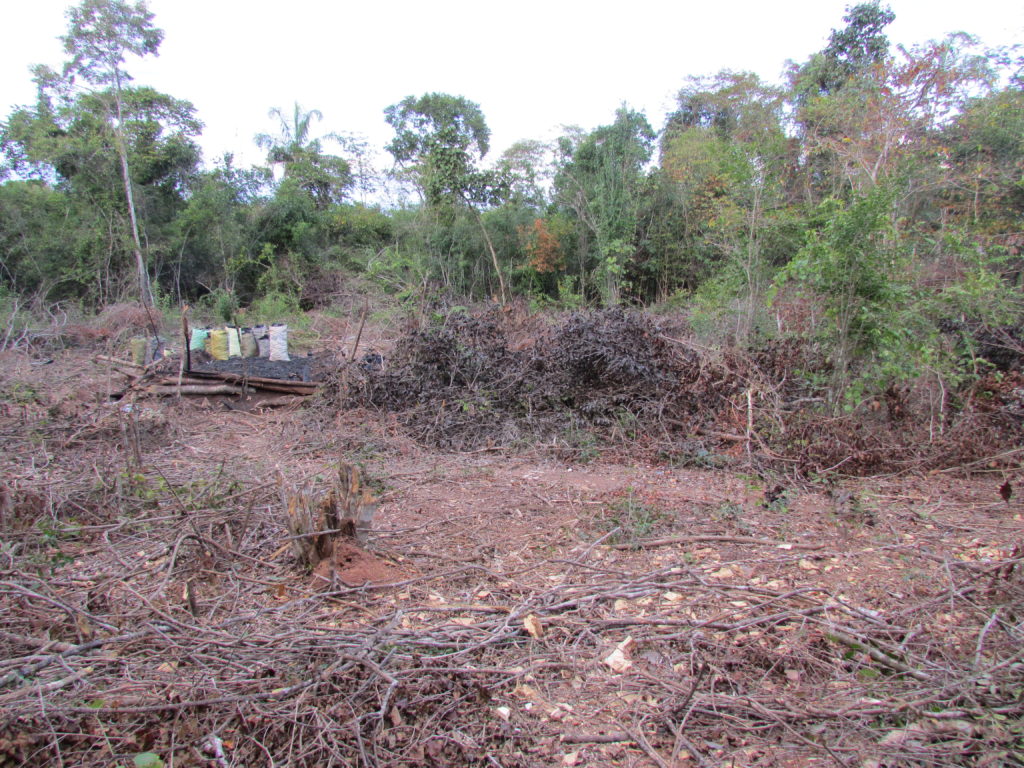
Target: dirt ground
[(510, 609)]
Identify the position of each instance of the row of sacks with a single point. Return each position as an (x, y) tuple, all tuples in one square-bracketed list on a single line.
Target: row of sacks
[(230, 341)]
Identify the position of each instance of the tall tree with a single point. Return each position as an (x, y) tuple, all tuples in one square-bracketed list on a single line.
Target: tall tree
[(851, 51), (726, 154), (442, 139), (68, 142), (599, 178), (327, 178), (101, 34)]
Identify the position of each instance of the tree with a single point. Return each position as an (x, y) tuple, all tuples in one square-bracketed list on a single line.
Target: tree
[(217, 228), (986, 154), (851, 51), (599, 178), (442, 139), (525, 165), (101, 33), (327, 178), (890, 118), (852, 265), (725, 151), (67, 141)]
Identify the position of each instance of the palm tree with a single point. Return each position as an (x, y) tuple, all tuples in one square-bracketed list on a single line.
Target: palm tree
[(325, 177)]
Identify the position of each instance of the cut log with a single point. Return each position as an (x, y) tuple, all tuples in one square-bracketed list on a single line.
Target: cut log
[(195, 389)]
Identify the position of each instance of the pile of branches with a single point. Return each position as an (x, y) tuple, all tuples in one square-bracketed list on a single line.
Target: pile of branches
[(908, 429), (616, 378), (463, 384)]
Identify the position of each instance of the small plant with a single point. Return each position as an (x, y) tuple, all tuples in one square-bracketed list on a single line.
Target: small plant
[(626, 423), (776, 499), (728, 511), (581, 444), (138, 485), (20, 393), (732, 513), (635, 519), (698, 458)]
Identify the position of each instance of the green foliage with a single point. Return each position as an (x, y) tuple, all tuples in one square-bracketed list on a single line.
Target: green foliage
[(274, 307), (226, 305), (101, 33), (443, 138), (634, 520), (724, 175), (852, 265), (147, 760), (326, 178), (598, 182), (121, 154)]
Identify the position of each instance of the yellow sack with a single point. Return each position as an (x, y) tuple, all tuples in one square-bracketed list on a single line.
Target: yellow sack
[(218, 344)]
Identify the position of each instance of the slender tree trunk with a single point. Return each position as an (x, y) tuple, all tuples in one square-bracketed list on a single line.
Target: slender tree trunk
[(145, 291), (494, 256)]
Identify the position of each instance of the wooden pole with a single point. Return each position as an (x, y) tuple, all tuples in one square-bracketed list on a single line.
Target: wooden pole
[(359, 335)]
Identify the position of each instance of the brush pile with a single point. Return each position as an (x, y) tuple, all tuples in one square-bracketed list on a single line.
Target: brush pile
[(464, 384), (618, 379)]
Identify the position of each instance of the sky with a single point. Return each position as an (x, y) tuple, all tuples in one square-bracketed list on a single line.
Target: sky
[(532, 65)]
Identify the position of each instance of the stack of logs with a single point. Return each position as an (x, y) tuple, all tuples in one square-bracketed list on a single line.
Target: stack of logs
[(155, 379)]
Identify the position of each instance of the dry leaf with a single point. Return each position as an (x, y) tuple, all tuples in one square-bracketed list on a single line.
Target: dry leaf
[(807, 565), (571, 758), (533, 626), (618, 660), (503, 712), (524, 692)]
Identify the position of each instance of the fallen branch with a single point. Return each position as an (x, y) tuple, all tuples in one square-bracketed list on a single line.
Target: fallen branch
[(860, 644), (596, 738), (704, 539), (256, 382)]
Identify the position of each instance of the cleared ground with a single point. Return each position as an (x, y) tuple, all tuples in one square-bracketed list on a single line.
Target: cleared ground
[(511, 608)]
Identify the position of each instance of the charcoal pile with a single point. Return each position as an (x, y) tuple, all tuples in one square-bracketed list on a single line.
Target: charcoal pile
[(297, 369)]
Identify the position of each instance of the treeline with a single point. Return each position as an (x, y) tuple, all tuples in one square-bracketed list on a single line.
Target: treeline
[(875, 192)]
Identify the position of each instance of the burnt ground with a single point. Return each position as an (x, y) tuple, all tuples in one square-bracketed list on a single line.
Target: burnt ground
[(513, 607), (298, 368)]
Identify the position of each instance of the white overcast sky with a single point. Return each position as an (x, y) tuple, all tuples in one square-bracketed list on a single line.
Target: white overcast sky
[(532, 65)]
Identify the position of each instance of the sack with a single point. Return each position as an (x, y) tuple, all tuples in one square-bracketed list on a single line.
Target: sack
[(279, 342), (218, 344), (234, 342), (197, 341), (248, 344)]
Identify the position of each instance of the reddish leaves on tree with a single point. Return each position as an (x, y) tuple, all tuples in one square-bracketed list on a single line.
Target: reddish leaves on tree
[(543, 248)]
